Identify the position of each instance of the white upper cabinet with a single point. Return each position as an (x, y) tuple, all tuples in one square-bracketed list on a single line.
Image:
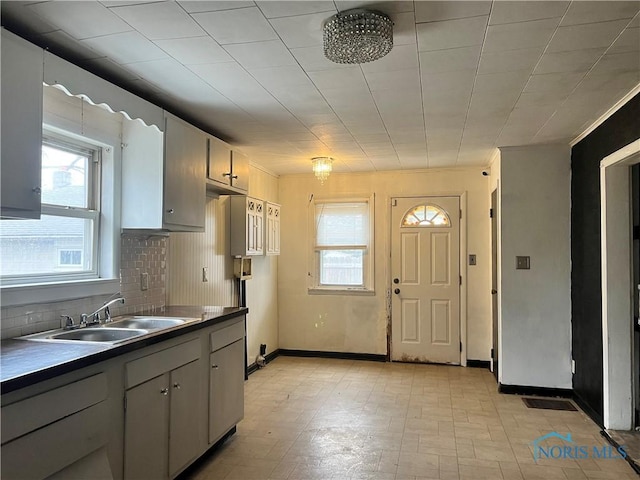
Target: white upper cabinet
[(272, 232), (21, 129), (227, 169), (247, 226), (163, 176)]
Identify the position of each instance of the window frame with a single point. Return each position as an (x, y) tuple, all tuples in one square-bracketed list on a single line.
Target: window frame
[(317, 288), (105, 279)]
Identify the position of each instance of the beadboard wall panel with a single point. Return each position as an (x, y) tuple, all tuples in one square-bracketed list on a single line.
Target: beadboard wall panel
[(189, 253)]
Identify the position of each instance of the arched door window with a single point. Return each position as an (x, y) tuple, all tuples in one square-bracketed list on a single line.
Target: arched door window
[(426, 215)]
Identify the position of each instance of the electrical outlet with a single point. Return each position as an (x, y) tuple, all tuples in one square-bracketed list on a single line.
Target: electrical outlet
[(144, 281), (205, 274), (472, 259)]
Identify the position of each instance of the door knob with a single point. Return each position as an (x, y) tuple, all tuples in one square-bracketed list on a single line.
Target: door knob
[(396, 291), (215, 367), (171, 210), (164, 391), (396, 280), (176, 386), (493, 291)]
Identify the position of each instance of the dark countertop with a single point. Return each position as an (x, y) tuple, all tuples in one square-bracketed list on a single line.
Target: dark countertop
[(26, 362)]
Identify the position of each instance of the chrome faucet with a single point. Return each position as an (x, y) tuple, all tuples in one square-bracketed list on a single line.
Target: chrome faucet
[(95, 316)]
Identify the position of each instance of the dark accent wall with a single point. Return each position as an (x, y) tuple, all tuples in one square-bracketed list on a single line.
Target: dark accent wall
[(619, 130)]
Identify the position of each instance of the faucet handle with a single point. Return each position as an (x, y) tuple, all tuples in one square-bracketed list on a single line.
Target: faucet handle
[(107, 315), (67, 321), (83, 319)]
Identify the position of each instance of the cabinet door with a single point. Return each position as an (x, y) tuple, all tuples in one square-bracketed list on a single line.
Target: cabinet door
[(185, 421), (219, 161), (146, 430), (259, 229), (240, 169), (272, 234), (226, 389), (184, 176), (21, 143)]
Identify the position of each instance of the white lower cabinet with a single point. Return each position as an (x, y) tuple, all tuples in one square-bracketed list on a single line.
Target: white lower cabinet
[(163, 414), (226, 389)]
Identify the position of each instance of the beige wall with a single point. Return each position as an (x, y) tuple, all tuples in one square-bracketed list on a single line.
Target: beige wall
[(358, 324), (190, 252)]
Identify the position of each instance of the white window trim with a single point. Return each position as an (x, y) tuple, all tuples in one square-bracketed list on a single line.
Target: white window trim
[(108, 281), (369, 262)]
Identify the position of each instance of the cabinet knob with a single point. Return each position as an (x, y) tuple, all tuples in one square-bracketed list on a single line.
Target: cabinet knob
[(171, 210), (37, 190), (234, 177), (176, 386), (227, 174), (215, 367), (164, 391), (397, 291)]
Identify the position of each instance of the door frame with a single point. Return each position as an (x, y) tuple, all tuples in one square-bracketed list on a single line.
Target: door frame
[(463, 265), (617, 288)]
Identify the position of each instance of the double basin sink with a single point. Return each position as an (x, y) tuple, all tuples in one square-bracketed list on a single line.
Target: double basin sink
[(118, 330)]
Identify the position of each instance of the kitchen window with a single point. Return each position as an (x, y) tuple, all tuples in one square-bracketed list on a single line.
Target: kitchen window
[(343, 246)]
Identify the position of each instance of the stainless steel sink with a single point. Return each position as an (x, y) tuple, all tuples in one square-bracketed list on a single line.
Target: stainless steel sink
[(146, 323), (98, 334)]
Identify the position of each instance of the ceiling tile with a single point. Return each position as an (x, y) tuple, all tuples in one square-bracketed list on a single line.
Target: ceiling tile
[(281, 78), (456, 59), (519, 11), (302, 30), (344, 78), (554, 82), (456, 83), (514, 36), (236, 26), (128, 47), (197, 6), (594, 12), (275, 8), (404, 28), (124, 3), (394, 80), (501, 82), (465, 32), (159, 20), (17, 13), (510, 60), (59, 41), (230, 79), (571, 61), (109, 67), (628, 41), (401, 57), (312, 59), (388, 7), (194, 50), (618, 63), (437, 11), (78, 19), (592, 35), (271, 53)]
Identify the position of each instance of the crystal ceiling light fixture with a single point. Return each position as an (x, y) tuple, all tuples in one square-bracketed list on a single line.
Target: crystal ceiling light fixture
[(357, 36), (321, 167)]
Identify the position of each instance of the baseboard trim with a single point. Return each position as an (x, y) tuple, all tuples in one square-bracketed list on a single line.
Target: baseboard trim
[(269, 357), (342, 355), (628, 458), (586, 408), (535, 391), (479, 364)]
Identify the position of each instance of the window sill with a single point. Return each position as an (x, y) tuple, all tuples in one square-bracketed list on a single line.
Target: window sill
[(12, 295), (340, 291)]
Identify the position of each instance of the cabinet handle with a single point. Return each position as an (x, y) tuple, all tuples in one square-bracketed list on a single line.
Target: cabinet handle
[(171, 210), (234, 177), (176, 386), (214, 367), (37, 190), (227, 174), (164, 391)]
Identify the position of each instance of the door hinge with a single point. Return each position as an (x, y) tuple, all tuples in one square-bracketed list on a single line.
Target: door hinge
[(461, 347), (492, 353), (460, 213), (460, 277), (125, 402), (394, 202), (491, 213)]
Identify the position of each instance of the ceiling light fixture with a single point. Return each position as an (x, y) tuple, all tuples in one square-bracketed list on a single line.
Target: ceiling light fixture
[(322, 167), (357, 36)]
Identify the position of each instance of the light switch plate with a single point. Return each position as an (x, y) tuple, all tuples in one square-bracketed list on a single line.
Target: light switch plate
[(472, 259), (144, 281), (523, 263)]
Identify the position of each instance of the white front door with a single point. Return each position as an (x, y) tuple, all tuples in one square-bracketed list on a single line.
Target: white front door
[(425, 273)]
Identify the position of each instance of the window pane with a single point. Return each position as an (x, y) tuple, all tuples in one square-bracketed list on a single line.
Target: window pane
[(64, 177), (426, 216), (49, 245), (341, 267), (342, 224)]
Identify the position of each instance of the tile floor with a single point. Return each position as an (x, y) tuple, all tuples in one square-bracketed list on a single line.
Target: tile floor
[(309, 418)]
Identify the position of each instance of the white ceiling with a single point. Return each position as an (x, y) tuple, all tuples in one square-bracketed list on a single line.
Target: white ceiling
[(463, 77)]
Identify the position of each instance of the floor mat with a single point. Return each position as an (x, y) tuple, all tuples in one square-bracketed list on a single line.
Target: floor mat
[(549, 404)]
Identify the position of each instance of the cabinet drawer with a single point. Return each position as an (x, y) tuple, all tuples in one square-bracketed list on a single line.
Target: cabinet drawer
[(47, 450), (227, 335), (32, 413), (151, 366)]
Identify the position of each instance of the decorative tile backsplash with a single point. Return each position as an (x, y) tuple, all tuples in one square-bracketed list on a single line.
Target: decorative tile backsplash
[(138, 255)]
